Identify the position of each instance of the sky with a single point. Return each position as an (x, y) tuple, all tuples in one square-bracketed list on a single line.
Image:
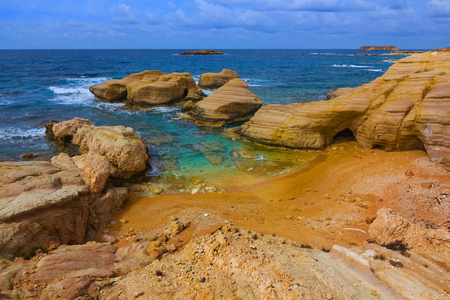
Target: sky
[(223, 24)]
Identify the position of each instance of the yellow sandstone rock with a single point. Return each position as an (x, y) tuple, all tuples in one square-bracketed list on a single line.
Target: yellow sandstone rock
[(230, 103), (406, 108), (216, 80)]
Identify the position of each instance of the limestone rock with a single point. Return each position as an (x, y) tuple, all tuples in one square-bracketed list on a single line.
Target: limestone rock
[(230, 103), (96, 167), (406, 108), (338, 92), (149, 88), (122, 148), (216, 80)]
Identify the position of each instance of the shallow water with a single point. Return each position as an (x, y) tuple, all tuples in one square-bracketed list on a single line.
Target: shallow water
[(41, 85)]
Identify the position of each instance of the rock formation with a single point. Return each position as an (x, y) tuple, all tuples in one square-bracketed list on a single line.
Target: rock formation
[(230, 263), (406, 108), (216, 80), (378, 48), (149, 88), (118, 146), (201, 52), (230, 103), (45, 204)]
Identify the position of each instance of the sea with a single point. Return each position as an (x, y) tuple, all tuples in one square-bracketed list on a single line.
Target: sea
[(41, 85)]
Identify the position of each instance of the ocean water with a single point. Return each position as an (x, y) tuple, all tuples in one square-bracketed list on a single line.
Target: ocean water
[(41, 85)]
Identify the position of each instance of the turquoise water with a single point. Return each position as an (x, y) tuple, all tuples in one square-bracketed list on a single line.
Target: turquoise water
[(41, 85)]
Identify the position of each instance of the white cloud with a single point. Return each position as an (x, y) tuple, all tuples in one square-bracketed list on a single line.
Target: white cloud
[(124, 15)]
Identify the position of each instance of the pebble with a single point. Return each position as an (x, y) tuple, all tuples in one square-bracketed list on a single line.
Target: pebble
[(123, 221)]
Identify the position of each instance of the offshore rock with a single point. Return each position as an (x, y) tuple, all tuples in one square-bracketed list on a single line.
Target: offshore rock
[(149, 88), (122, 148), (230, 103), (201, 52), (216, 80), (406, 108), (378, 48)]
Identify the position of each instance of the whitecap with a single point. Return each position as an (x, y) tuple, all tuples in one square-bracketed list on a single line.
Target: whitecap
[(350, 66), (14, 133), (375, 70), (5, 101), (165, 109)]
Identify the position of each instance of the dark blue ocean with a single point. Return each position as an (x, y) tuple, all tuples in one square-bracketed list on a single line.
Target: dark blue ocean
[(41, 85)]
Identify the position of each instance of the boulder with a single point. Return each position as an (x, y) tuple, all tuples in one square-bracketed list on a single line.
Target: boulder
[(149, 88), (230, 103), (406, 108), (216, 80), (120, 147)]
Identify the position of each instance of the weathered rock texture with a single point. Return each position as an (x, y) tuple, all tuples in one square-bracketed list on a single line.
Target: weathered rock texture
[(149, 88), (392, 229), (378, 48), (406, 108), (119, 147), (43, 204), (230, 103), (216, 80), (201, 52)]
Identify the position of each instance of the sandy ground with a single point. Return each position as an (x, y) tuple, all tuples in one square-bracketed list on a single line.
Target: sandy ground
[(320, 205)]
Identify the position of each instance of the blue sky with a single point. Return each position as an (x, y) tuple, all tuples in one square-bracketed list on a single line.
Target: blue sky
[(223, 24)]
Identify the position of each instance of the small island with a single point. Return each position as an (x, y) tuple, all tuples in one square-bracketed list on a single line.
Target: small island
[(201, 52), (378, 48)]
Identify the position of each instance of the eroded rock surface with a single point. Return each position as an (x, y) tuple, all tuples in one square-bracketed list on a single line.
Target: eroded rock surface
[(44, 204), (232, 102), (121, 147), (216, 80), (149, 88), (406, 108)]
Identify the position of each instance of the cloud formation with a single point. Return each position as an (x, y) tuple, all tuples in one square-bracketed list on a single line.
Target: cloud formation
[(224, 23)]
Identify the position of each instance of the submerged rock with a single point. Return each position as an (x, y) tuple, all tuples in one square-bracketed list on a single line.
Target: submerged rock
[(230, 103), (149, 88), (406, 108), (216, 80)]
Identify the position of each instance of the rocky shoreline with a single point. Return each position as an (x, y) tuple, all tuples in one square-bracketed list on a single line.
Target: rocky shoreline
[(382, 217)]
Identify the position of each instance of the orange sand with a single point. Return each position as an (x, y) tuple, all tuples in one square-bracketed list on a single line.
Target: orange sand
[(341, 188)]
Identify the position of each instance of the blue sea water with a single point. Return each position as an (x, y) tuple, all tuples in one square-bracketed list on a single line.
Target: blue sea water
[(41, 85)]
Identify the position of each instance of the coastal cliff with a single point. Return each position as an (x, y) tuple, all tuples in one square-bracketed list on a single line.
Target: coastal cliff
[(406, 108), (378, 48)]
